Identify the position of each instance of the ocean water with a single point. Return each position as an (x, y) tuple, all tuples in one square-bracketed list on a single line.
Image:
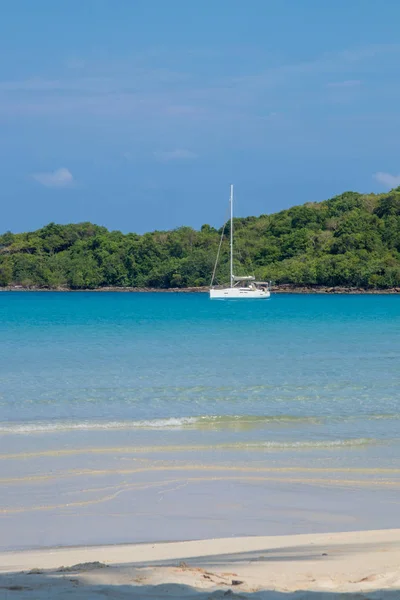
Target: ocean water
[(256, 417)]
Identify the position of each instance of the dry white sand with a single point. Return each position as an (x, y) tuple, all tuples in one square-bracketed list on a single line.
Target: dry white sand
[(350, 566)]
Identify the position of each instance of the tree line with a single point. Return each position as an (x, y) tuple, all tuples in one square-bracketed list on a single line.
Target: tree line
[(350, 240)]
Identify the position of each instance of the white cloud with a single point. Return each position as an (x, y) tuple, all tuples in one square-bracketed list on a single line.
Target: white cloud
[(56, 179), (178, 154), (348, 83), (388, 180)]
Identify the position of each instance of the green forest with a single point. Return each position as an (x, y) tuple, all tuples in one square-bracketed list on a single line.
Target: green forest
[(350, 240)]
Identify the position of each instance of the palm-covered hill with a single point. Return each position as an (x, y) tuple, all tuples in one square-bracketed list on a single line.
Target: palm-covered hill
[(350, 240)]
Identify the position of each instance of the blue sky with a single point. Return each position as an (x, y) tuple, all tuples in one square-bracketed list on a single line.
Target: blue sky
[(138, 114)]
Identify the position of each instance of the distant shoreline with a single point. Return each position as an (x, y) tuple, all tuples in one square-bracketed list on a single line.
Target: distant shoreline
[(278, 289)]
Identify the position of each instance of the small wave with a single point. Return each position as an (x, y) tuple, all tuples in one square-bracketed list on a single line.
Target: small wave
[(205, 422), (383, 416), (58, 426), (309, 444), (210, 422), (243, 422), (295, 446)]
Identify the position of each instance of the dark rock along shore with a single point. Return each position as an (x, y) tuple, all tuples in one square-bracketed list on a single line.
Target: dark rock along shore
[(281, 289)]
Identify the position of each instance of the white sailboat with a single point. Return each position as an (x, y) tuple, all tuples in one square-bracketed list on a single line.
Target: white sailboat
[(243, 287)]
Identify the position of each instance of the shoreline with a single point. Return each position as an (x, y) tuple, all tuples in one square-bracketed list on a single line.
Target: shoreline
[(265, 567), (280, 289), (190, 547)]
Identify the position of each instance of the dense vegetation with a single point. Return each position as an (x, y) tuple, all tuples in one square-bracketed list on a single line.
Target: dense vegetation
[(350, 240)]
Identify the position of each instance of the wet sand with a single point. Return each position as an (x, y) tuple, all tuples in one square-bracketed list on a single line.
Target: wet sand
[(113, 495)]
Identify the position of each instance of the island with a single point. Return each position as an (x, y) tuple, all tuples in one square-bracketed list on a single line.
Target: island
[(350, 243)]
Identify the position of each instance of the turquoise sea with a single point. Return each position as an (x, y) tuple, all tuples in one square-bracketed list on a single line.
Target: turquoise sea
[(137, 416)]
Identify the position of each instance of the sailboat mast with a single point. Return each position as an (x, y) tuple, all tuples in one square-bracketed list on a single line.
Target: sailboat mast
[(231, 202)]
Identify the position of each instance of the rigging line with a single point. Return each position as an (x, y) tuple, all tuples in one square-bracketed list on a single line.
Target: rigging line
[(218, 253)]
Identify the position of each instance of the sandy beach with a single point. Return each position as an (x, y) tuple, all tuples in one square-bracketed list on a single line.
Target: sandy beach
[(351, 566)]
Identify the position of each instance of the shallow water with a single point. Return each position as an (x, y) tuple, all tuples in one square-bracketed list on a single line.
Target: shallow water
[(191, 390)]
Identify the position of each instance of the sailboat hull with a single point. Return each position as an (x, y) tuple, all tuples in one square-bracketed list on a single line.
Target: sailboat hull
[(239, 293)]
